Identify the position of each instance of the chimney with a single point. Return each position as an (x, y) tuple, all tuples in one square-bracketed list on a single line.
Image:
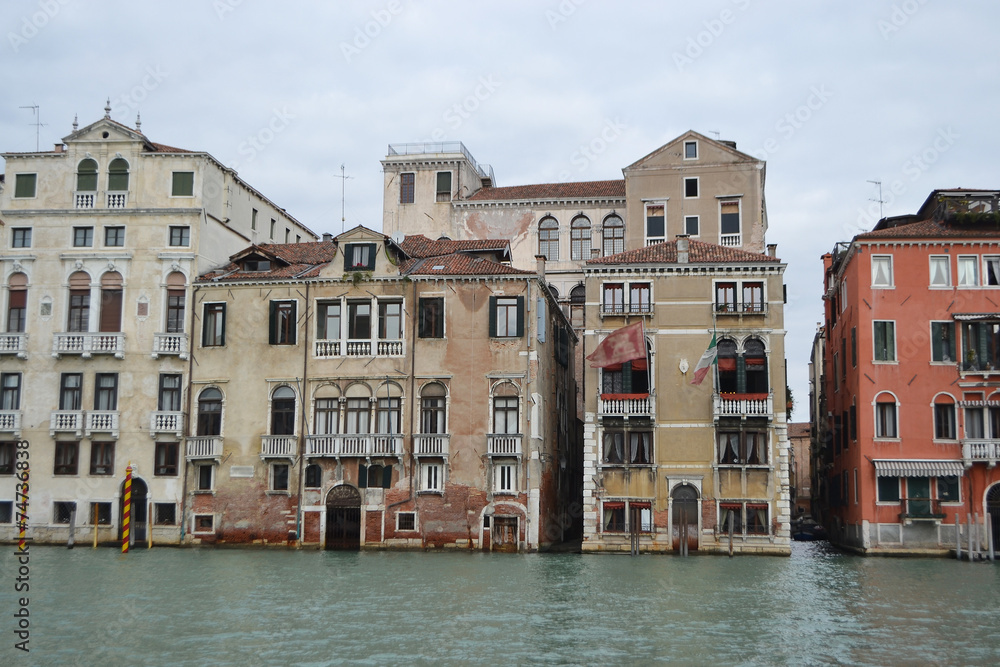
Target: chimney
[(540, 267), (772, 250), (682, 248), (327, 237), (60, 148), (595, 253)]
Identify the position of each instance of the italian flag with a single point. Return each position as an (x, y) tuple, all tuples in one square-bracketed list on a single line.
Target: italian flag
[(710, 357)]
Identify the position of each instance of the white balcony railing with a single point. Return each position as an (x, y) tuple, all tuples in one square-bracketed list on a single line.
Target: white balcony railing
[(503, 444), (326, 349), (625, 406), (14, 343), (204, 447), (84, 199), (354, 444), (730, 240), (166, 422), (102, 421), (10, 421), (640, 308), (117, 199), (743, 405), (88, 343), (329, 349), (63, 421), (278, 445), (170, 343), (980, 451), (431, 444)]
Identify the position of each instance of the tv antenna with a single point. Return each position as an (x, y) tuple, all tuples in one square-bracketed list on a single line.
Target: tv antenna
[(879, 200), (343, 196), (718, 135), (38, 122)]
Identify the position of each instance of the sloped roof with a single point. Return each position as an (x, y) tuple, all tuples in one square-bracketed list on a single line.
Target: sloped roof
[(933, 229), (298, 260), (418, 245), (698, 252), (799, 429), (458, 265), (579, 190)]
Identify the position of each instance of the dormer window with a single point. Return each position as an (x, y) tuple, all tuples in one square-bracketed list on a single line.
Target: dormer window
[(256, 264), (359, 257)]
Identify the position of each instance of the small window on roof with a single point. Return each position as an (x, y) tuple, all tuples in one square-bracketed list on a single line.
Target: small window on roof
[(254, 264)]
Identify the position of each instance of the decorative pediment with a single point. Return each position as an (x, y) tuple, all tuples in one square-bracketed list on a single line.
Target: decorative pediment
[(107, 130)]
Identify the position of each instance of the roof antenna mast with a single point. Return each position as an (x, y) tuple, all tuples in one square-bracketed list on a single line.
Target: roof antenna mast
[(38, 122), (343, 196), (879, 200)]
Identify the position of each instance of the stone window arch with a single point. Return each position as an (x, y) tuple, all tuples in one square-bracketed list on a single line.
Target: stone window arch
[(580, 238), (613, 235), (548, 238), (86, 175)]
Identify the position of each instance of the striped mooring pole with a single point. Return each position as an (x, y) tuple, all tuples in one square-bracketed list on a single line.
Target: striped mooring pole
[(127, 508)]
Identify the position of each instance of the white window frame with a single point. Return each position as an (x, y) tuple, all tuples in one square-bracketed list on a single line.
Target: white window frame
[(271, 477), (986, 271), (416, 525), (431, 482), (693, 143), (968, 260), (875, 412), (895, 349), (652, 203), (697, 223), (505, 478), (194, 525), (876, 260), (170, 235), (197, 481), (697, 181), (30, 237), (947, 274)]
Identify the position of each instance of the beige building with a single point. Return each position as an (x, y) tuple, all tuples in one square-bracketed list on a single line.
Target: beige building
[(363, 392), (100, 241), (667, 463)]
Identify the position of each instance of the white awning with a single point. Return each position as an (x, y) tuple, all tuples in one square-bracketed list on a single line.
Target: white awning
[(911, 468), (976, 317)]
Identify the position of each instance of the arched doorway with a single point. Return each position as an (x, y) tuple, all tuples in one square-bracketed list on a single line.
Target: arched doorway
[(343, 518), (684, 517), (138, 516), (993, 508)]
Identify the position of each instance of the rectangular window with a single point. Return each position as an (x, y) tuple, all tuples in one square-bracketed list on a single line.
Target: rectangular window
[(274, 223), (888, 489), (6, 459), (753, 297), (17, 304), (359, 256), (968, 271), (406, 521), (943, 342), (690, 150), (24, 185), (948, 489), (742, 448), (359, 320), (204, 523), (114, 237), (106, 391), (431, 317), (691, 225), (991, 270), (885, 340), (101, 512), (980, 346), (940, 271), (67, 454), (213, 332), (102, 458), (729, 218), (288, 234), (63, 511), (505, 415), (279, 476), (180, 236), (731, 516), (614, 517), (944, 421), (358, 415), (507, 316), (691, 187), (327, 416), (282, 323), (623, 447), (182, 184), (505, 479), (975, 427), (6, 511), (390, 320), (164, 514), (170, 393), (757, 523), (10, 391), (885, 420), (328, 320), (430, 476), (725, 297), (176, 299), (655, 223), (70, 391), (165, 459), (253, 219), (387, 414), (640, 298), (205, 476), (20, 237), (406, 183), (882, 271), (83, 237), (444, 186), (613, 302)]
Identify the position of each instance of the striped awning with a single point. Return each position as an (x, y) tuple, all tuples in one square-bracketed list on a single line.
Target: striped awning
[(912, 468)]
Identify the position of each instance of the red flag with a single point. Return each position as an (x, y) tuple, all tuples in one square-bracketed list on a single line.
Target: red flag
[(626, 344)]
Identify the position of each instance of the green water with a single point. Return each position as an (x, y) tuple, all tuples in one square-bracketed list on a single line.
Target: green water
[(251, 607)]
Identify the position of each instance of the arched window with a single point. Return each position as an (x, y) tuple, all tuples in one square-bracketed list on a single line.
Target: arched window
[(283, 411), (358, 417), (327, 411), (548, 238), (505, 409), (79, 302), (728, 382), (945, 425), (432, 409), (755, 366), (175, 302), (577, 303), (86, 175), (17, 302), (614, 235), (579, 234), (210, 412), (118, 175), (886, 416), (111, 302), (388, 410)]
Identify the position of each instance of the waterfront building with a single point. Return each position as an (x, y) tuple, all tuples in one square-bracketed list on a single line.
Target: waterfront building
[(377, 393), (911, 368), (800, 478), (100, 242), (670, 461)]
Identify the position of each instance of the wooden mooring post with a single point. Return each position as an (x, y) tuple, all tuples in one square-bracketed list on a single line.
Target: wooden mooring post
[(989, 537), (730, 518), (958, 537)]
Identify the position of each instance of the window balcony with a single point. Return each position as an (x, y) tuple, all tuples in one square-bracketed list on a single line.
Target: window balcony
[(88, 344), (922, 509), (621, 309), (503, 444), (743, 405), (278, 446), (14, 343), (117, 200), (332, 349), (625, 405), (354, 444), (170, 344), (101, 421), (66, 421), (980, 451), (204, 447), (84, 199), (326, 349), (730, 240), (431, 444), (10, 422), (751, 308), (166, 423)]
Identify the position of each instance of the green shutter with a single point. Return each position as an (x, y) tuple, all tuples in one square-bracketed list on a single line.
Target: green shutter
[(272, 323), (362, 476), (880, 351), (493, 317), (294, 324), (24, 185), (520, 316), (387, 477), (223, 316), (984, 344), (741, 375), (183, 184)]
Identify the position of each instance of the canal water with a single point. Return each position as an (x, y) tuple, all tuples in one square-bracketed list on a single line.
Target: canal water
[(256, 607)]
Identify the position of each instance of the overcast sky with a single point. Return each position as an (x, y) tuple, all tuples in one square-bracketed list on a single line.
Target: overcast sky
[(832, 94)]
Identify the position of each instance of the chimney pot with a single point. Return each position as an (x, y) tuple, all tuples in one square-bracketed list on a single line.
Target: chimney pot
[(540, 266), (327, 237), (682, 248), (772, 249)]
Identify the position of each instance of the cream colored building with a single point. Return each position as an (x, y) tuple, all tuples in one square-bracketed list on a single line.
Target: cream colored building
[(666, 462), (100, 242)]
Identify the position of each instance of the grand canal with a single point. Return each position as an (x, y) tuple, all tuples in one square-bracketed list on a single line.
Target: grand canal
[(253, 607)]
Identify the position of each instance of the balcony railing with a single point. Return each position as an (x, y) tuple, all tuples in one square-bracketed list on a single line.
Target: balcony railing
[(625, 405), (14, 343), (354, 444), (743, 405), (117, 199), (730, 240), (980, 451), (626, 309), (751, 308), (503, 444), (63, 421), (170, 343), (204, 447), (102, 421), (10, 421), (330, 349), (88, 344), (84, 199), (326, 349), (431, 444), (166, 422), (278, 445), (922, 509)]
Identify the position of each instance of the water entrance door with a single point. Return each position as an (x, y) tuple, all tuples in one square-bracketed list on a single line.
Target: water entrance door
[(343, 518), (504, 533), (684, 518), (918, 494), (138, 519), (993, 509)]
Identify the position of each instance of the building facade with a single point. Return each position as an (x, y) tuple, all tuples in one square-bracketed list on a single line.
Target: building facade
[(911, 367), (100, 242), (672, 466)]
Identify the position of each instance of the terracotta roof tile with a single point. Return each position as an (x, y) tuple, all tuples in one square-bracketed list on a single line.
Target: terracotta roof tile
[(419, 245), (932, 229), (799, 429), (698, 251), (163, 148), (302, 260), (457, 265), (583, 189)]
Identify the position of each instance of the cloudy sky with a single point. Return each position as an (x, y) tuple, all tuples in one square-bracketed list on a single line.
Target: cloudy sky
[(832, 94)]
